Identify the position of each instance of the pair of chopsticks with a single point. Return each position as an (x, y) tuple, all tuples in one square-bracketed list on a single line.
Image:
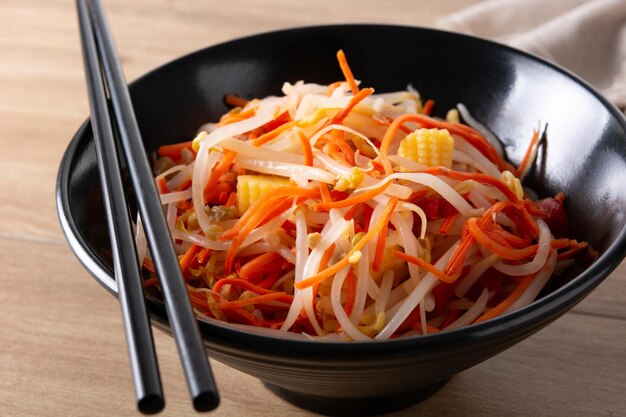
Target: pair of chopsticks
[(101, 60)]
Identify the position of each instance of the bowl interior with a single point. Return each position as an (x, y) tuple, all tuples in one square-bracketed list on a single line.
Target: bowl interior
[(508, 91)]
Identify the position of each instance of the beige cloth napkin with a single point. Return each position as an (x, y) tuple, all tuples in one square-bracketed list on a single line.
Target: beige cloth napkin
[(588, 37)]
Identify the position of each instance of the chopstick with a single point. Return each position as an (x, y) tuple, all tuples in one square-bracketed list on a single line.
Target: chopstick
[(184, 327), (144, 368)]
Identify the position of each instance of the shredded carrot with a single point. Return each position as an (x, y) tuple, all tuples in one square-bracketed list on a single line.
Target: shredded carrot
[(572, 251), (343, 113), (188, 257), (442, 276), (257, 212), (162, 184), (184, 185), (507, 253), (346, 150), (265, 201), (347, 72), (174, 150), (241, 283), (263, 139), (232, 199), (270, 279), (508, 301), (306, 149), (275, 296), (203, 255), (352, 212), (259, 266), (234, 100), (360, 198), (218, 170), (526, 160), (324, 193), (381, 243), (328, 253), (428, 107), (455, 265), (332, 270), (237, 116), (444, 229), (215, 192)]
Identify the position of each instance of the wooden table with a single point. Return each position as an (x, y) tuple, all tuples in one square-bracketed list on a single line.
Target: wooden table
[(62, 349)]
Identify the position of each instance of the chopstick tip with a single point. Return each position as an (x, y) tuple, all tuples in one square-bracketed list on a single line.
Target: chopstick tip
[(151, 404), (206, 401)]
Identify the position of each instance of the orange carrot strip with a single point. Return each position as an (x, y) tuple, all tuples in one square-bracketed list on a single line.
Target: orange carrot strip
[(229, 118), (572, 251), (259, 266), (328, 253), (428, 107), (275, 296), (347, 72), (174, 150), (508, 301), (351, 212), (502, 251), (162, 184), (258, 213), (306, 148), (332, 270), (455, 265), (442, 276), (447, 223), (270, 279), (343, 113), (526, 160), (203, 255), (232, 199), (265, 201), (188, 257), (324, 193), (219, 170), (346, 150), (234, 100), (380, 248), (241, 283), (361, 198), (216, 191), (184, 185), (263, 139)]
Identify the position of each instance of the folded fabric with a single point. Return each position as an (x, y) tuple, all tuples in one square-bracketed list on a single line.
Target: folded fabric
[(588, 37)]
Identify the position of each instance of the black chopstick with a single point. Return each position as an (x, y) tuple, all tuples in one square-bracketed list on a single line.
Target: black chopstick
[(141, 352), (182, 321)]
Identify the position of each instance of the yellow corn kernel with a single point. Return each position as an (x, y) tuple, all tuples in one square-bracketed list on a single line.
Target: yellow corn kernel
[(252, 187), (349, 181), (431, 147)]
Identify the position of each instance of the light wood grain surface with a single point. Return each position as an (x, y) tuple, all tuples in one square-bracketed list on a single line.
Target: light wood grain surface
[(62, 349)]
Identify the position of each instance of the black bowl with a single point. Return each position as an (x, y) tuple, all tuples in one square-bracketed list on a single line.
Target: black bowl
[(505, 89)]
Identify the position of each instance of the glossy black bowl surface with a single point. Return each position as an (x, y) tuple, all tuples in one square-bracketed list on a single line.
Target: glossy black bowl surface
[(507, 90)]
